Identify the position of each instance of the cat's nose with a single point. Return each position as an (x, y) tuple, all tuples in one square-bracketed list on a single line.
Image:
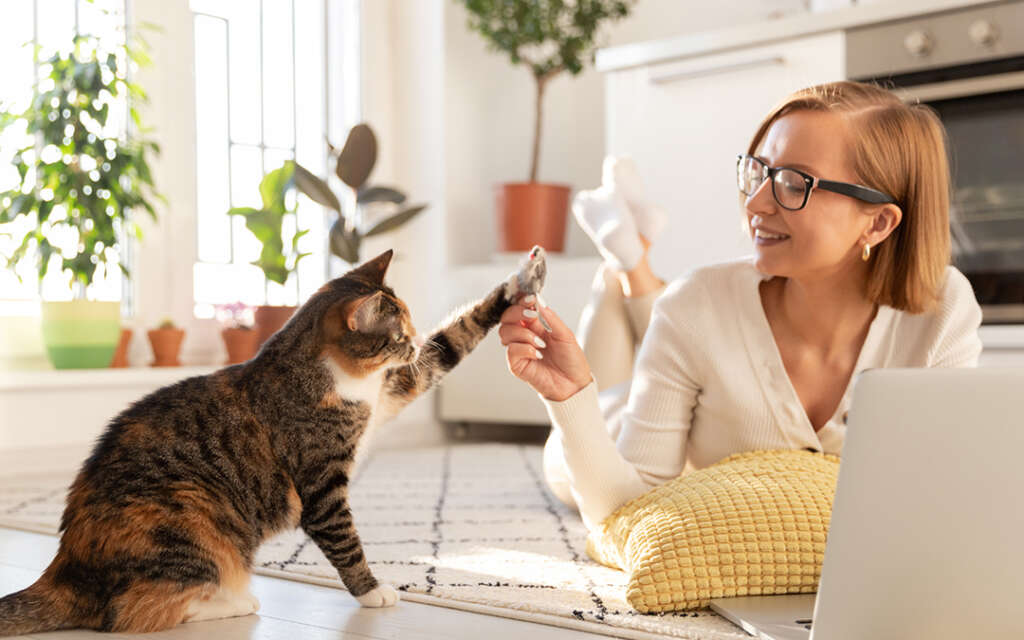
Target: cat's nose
[(418, 341)]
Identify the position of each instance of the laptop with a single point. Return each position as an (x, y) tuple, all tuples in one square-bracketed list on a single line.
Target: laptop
[(927, 532)]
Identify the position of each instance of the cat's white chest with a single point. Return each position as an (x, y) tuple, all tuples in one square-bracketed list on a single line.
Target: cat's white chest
[(365, 389)]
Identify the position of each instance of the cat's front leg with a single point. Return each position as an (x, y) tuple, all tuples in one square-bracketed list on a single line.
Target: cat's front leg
[(459, 335), (327, 519)]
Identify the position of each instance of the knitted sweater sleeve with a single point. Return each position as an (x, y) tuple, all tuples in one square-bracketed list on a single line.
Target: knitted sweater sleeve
[(651, 448), (956, 342)]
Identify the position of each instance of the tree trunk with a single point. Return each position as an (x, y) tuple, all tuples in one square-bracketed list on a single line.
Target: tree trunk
[(541, 82)]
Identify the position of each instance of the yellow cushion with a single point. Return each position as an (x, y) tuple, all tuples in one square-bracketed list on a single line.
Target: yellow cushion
[(752, 524)]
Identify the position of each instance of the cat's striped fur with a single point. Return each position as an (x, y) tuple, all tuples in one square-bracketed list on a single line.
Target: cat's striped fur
[(164, 518)]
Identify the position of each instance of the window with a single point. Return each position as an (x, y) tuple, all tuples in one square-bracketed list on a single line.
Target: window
[(260, 100), (50, 24)]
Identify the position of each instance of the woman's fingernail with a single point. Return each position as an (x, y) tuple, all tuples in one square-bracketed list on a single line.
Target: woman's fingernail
[(540, 356), (540, 343), (529, 313), (530, 299)]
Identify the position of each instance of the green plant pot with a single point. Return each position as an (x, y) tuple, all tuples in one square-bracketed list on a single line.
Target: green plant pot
[(81, 334)]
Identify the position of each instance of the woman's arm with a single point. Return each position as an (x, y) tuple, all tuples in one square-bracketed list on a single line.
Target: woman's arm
[(651, 448)]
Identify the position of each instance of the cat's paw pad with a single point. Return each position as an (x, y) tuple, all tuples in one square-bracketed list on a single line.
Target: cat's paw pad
[(529, 279), (383, 595)]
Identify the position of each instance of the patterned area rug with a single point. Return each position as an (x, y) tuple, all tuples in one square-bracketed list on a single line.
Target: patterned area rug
[(465, 526)]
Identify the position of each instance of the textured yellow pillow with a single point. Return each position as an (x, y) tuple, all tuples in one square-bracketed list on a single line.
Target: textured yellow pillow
[(752, 524)]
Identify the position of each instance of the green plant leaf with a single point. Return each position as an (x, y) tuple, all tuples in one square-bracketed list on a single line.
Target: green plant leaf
[(380, 194), (343, 244), (395, 221), (357, 157), (275, 185), (316, 189)]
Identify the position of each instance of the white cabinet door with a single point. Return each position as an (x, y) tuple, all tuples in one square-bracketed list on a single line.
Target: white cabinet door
[(684, 122)]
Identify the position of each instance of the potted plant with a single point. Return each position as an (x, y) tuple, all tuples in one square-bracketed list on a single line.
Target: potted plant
[(377, 209), (548, 37), (79, 182), (267, 224), (166, 341), (237, 320)]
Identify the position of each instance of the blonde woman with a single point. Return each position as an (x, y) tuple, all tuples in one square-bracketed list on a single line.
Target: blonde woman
[(845, 191)]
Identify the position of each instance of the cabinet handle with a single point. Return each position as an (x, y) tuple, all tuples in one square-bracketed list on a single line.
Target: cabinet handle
[(676, 76)]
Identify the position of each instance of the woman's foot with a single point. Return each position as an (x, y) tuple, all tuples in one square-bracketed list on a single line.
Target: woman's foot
[(620, 175), (606, 218)]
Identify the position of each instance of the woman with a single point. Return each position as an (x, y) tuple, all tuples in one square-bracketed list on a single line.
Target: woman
[(845, 193)]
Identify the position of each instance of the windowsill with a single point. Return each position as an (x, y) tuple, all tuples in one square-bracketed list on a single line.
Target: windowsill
[(90, 378)]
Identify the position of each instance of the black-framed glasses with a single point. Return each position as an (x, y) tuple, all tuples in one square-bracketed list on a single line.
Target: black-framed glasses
[(791, 188)]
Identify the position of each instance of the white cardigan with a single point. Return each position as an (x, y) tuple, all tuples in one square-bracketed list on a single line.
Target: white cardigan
[(709, 382)]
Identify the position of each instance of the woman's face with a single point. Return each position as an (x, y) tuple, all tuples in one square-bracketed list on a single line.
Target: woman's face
[(825, 237)]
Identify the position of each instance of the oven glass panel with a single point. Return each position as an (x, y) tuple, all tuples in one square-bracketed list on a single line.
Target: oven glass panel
[(986, 140)]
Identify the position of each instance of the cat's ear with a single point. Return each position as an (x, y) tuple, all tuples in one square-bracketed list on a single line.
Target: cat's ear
[(365, 317), (374, 270)]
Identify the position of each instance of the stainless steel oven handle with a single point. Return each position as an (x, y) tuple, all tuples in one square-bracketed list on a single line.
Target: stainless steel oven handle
[(965, 87), (676, 76)]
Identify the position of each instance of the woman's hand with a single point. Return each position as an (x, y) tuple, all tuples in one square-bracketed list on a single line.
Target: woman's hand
[(551, 362)]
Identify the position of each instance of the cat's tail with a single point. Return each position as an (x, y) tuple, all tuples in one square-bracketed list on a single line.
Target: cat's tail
[(33, 610)]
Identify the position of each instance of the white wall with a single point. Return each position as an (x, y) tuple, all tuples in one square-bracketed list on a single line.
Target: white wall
[(402, 99)]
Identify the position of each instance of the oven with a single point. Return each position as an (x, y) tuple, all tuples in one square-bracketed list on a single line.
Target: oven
[(967, 64)]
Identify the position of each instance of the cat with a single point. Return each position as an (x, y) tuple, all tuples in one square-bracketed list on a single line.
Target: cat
[(164, 517)]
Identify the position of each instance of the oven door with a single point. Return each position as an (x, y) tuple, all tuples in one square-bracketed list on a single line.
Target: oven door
[(984, 118)]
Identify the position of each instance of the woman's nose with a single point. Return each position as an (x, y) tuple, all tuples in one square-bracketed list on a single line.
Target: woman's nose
[(761, 201)]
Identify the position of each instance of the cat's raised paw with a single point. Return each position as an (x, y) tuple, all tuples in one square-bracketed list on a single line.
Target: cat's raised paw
[(383, 595), (529, 279)]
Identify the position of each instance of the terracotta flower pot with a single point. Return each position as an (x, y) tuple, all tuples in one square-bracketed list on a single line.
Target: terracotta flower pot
[(531, 213), (269, 319), (166, 345), (240, 343), (121, 353)]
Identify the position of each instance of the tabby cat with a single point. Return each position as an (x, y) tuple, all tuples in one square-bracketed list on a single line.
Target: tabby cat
[(164, 517)]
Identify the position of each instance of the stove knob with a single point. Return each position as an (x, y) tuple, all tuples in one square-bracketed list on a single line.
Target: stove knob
[(983, 33), (918, 44)]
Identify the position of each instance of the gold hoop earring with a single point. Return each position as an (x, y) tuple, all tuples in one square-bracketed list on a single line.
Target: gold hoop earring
[(866, 254)]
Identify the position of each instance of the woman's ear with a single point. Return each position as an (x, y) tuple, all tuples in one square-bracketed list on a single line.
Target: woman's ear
[(884, 221), (364, 317)]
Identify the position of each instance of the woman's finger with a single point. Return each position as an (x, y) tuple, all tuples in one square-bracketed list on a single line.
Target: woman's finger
[(510, 333), (519, 356), (517, 314)]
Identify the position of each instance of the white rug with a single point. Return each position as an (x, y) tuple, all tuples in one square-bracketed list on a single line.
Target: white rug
[(466, 526)]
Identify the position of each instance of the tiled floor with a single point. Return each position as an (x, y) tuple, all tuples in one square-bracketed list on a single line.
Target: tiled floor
[(289, 610)]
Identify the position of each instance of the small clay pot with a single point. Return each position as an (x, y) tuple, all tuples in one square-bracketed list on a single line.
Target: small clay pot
[(269, 319), (166, 345), (121, 354), (531, 213), (240, 343)]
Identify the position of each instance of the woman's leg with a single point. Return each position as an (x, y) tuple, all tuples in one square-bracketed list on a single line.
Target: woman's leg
[(605, 332), (640, 289)]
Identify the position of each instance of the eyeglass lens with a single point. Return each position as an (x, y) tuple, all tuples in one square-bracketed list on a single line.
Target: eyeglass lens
[(788, 186)]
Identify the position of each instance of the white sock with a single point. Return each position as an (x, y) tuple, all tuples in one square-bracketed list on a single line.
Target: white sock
[(619, 174), (603, 214)]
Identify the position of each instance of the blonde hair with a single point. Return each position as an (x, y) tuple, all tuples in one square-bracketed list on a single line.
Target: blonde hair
[(898, 149)]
